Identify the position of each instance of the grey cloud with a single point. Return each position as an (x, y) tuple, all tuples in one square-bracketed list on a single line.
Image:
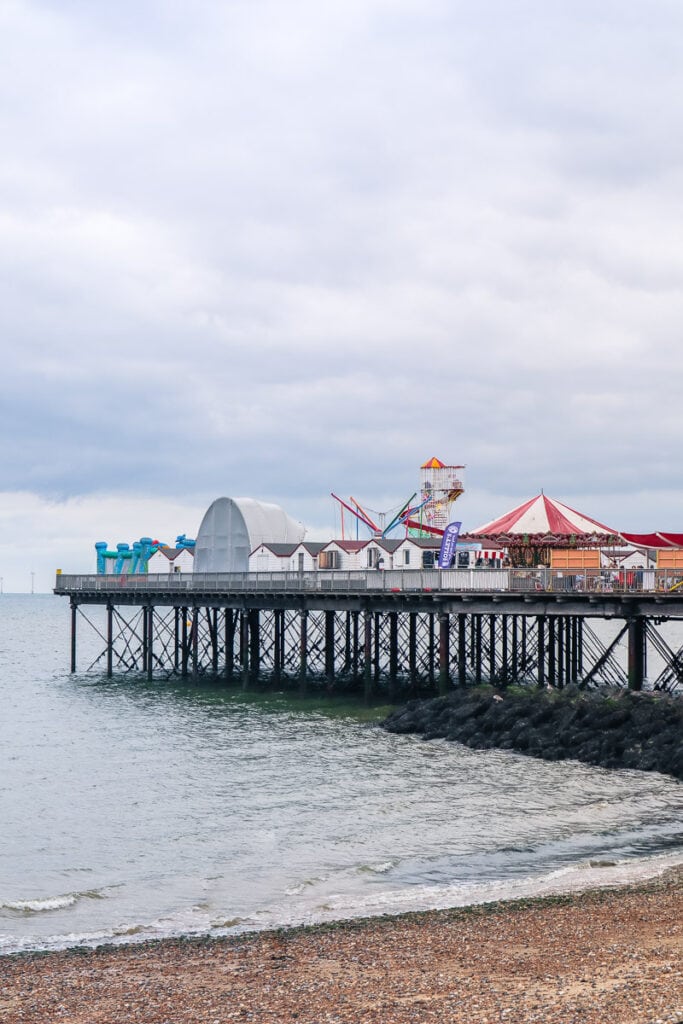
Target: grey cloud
[(287, 250)]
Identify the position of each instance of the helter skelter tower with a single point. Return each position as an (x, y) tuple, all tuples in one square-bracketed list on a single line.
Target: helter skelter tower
[(440, 487)]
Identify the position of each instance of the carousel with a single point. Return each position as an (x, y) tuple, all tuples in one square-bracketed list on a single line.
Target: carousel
[(540, 526)]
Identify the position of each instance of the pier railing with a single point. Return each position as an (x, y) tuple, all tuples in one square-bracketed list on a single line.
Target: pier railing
[(388, 581)]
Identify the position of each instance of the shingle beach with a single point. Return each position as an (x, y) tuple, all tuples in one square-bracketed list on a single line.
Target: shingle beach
[(589, 958)]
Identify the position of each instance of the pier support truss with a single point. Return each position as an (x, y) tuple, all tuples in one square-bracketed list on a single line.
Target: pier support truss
[(378, 652)]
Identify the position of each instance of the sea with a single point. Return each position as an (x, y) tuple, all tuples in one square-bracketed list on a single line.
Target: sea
[(133, 810)]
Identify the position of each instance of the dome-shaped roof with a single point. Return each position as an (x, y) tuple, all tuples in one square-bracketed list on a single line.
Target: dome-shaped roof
[(233, 527)]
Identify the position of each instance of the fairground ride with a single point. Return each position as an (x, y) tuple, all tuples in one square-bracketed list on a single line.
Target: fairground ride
[(426, 513)]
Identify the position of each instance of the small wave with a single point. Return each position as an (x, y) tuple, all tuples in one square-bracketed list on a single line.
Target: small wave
[(296, 890), (571, 878), (376, 869), (231, 922), (24, 944), (299, 887), (39, 906), (49, 903), (127, 930)]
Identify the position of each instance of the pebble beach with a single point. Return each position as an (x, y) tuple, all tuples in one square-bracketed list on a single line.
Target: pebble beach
[(600, 956)]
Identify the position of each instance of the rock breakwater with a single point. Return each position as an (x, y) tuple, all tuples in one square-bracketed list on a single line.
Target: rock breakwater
[(614, 729)]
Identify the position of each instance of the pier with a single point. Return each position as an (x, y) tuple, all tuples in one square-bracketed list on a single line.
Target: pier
[(393, 633)]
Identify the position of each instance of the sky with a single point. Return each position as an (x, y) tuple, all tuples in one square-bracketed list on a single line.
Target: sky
[(278, 249)]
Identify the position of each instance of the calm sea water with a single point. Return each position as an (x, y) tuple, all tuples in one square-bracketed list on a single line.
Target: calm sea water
[(135, 810)]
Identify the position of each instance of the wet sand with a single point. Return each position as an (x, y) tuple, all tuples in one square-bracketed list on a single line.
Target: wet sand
[(601, 957)]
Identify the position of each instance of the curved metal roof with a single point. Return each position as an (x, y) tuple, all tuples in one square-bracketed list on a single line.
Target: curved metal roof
[(233, 527)]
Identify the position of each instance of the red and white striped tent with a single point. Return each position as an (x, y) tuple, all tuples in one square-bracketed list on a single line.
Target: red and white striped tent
[(529, 531), (659, 539)]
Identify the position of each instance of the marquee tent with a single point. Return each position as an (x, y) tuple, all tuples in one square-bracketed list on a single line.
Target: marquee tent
[(658, 539), (539, 524)]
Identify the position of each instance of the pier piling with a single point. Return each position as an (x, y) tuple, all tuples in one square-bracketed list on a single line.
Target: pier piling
[(444, 654), (110, 641), (636, 653)]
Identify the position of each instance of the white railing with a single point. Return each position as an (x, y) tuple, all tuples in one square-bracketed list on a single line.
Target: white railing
[(598, 581)]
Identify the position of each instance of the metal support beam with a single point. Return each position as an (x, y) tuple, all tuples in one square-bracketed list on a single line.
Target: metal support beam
[(244, 647), (348, 649), (636, 653), (110, 641), (278, 645), (504, 667), (393, 654), (150, 641), (444, 654), (254, 645), (432, 647), (212, 617), (567, 649), (575, 649), (303, 653), (552, 673), (462, 650), (229, 625), (515, 649), (478, 665), (195, 642), (329, 648), (367, 661), (412, 650), (74, 614), (185, 650), (376, 648), (540, 650)]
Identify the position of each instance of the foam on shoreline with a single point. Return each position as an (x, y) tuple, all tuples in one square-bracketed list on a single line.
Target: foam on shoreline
[(575, 880)]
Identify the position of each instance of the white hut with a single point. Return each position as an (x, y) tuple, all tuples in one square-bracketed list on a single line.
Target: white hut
[(301, 557), (342, 554), (176, 560), (417, 553), (379, 554), (269, 557)]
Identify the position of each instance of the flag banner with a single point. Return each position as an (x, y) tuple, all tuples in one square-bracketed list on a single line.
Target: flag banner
[(448, 545)]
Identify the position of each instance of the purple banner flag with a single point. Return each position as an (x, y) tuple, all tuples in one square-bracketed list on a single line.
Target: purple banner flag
[(448, 545)]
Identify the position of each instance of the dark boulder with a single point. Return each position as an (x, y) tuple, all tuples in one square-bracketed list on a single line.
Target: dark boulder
[(643, 731)]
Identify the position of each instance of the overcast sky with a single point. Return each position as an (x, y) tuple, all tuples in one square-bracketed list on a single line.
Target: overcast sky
[(275, 249)]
